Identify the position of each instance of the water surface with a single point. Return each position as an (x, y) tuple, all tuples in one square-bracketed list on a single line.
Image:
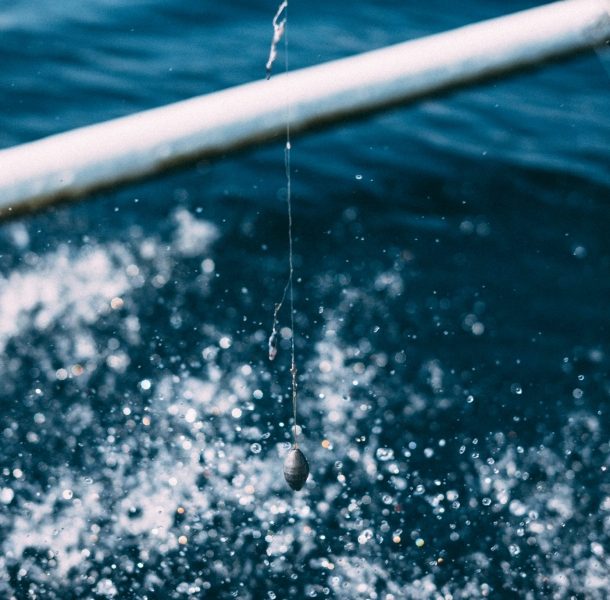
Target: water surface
[(453, 268)]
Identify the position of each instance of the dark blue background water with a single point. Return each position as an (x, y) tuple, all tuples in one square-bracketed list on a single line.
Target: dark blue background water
[(453, 265)]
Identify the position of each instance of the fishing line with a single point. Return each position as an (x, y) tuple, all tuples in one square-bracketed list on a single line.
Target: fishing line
[(296, 469)]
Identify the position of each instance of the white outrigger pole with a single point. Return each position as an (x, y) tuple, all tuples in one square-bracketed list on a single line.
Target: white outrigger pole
[(71, 164)]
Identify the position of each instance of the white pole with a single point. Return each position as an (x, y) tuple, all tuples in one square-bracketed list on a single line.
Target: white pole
[(73, 163)]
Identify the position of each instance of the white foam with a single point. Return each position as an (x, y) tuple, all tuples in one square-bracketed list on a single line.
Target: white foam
[(72, 287), (192, 236)]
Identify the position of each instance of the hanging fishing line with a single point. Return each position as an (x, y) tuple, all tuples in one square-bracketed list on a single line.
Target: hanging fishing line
[(296, 469)]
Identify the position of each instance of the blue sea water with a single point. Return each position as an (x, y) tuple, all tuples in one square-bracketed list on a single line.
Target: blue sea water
[(452, 326)]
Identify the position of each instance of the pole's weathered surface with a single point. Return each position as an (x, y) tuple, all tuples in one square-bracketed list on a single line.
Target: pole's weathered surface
[(71, 164)]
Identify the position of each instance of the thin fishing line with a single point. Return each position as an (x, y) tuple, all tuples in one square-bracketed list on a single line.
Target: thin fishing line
[(293, 367), (296, 467), (279, 25), (280, 29)]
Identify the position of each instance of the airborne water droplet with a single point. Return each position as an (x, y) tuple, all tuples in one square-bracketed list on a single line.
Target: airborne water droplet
[(384, 454)]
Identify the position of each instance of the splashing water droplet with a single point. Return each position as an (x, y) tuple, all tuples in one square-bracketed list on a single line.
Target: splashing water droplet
[(384, 454)]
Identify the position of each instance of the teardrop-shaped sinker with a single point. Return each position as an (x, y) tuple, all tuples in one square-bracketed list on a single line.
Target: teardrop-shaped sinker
[(296, 469)]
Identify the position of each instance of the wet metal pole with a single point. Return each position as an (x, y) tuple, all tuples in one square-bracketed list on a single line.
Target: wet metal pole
[(71, 164)]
